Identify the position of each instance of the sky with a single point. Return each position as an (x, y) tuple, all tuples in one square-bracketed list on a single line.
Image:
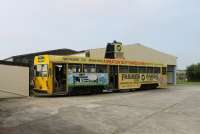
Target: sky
[(170, 26)]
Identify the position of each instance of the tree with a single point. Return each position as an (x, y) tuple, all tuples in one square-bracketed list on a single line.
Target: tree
[(193, 72)]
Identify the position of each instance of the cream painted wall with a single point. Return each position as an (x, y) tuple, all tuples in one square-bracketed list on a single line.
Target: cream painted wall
[(14, 81)]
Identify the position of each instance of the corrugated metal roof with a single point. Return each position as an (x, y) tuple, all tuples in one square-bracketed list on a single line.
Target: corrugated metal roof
[(62, 51)]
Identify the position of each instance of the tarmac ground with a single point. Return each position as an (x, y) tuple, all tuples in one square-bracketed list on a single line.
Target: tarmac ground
[(175, 110)]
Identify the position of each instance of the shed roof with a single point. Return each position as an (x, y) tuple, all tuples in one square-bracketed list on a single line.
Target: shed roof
[(63, 51)]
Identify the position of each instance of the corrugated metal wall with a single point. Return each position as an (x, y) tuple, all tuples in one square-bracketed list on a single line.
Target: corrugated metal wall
[(14, 81), (138, 52)]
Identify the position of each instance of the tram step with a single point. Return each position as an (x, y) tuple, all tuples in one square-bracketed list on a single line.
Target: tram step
[(57, 93)]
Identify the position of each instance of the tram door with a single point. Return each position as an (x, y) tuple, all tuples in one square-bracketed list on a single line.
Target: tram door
[(113, 77), (59, 77)]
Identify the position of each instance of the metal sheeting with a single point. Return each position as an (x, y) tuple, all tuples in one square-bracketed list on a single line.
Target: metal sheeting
[(139, 52)]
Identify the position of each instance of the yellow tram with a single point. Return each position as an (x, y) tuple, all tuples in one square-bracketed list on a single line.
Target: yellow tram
[(65, 75)]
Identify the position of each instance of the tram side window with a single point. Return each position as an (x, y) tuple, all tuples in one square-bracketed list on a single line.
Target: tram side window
[(164, 70), (41, 70), (157, 70), (101, 69), (89, 68), (150, 70), (133, 69), (142, 69), (74, 68), (123, 69)]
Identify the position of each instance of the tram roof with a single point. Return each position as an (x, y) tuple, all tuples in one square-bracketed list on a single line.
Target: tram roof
[(85, 60)]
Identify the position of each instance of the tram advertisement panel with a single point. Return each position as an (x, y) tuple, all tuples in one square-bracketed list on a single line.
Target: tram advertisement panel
[(132, 80), (75, 79)]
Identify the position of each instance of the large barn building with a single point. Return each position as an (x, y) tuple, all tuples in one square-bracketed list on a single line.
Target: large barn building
[(138, 52)]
